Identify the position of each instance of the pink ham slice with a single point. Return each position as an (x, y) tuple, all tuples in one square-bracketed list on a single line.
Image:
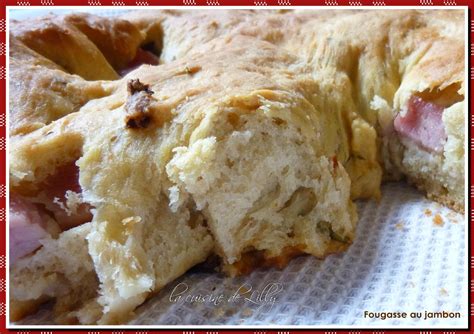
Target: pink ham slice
[(27, 227), (28, 221), (423, 124), (55, 187), (142, 57)]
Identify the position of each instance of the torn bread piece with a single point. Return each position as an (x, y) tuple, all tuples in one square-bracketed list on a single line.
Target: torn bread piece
[(158, 209), (266, 192)]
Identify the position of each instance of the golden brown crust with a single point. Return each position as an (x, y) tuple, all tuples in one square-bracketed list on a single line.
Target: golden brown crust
[(40, 95), (65, 45), (118, 40)]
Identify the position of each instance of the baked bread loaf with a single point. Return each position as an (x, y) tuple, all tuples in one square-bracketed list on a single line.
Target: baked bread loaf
[(164, 137)]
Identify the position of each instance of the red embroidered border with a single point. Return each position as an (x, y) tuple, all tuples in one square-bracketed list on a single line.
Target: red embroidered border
[(257, 3)]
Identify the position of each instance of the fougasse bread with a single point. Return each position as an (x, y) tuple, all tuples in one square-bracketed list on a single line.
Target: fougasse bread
[(162, 138)]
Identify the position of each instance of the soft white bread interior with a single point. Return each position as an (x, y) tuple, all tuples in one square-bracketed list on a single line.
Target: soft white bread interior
[(261, 184)]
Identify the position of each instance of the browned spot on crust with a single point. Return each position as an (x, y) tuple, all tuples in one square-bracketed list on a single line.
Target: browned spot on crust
[(233, 119), (278, 121), (192, 69), (437, 220), (138, 103)]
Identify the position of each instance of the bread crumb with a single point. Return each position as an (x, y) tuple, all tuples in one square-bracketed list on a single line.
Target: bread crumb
[(437, 220), (428, 212), (190, 69), (399, 226), (443, 292)]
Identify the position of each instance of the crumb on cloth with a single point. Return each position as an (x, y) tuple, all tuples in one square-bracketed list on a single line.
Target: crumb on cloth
[(438, 220)]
